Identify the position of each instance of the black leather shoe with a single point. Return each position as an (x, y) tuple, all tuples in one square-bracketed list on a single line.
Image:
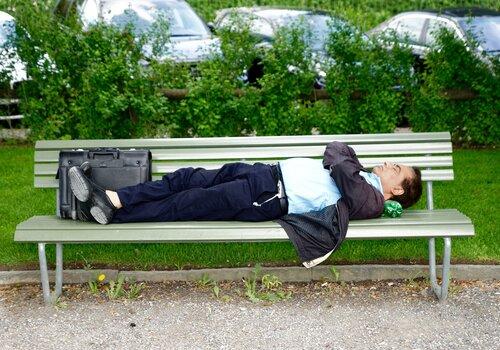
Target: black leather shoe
[(102, 209), (83, 211), (79, 183), (86, 191)]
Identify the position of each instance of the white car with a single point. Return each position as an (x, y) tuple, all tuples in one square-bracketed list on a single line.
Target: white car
[(419, 29), (10, 63)]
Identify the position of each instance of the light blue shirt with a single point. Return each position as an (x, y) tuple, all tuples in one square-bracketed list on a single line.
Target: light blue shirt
[(309, 186)]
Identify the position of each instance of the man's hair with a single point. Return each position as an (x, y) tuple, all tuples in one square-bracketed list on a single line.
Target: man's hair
[(412, 189)]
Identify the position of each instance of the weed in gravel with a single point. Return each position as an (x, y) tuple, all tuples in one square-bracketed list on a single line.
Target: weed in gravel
[(216, 291), (115, 289), (271, 282), (59, 304), (205, 281), (226, 298), (96, 284), (134, 290), (94, 287), (270, 287), (335, 274)]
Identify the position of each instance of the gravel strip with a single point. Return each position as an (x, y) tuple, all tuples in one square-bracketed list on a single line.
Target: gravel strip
[(185, 315)]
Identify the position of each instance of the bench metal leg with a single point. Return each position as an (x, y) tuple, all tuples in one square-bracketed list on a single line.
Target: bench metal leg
[(59, 269), (44, 273), (440, 291)]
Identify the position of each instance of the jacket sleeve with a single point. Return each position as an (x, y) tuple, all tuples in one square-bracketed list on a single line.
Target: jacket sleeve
[(336, 152), (363, 200)]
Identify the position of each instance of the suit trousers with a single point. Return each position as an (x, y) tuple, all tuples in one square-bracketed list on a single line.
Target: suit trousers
[(235, 191)]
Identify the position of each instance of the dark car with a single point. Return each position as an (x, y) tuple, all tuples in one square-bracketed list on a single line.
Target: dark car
[(419, 29), (264, 22), (190, 38)]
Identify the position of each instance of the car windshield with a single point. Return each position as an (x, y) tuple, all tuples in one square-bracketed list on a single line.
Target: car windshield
[(141, 14), (486, 30), (319, 25), (7, 29)]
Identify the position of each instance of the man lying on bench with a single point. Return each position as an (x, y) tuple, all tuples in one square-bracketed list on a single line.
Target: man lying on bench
[(312, 200)]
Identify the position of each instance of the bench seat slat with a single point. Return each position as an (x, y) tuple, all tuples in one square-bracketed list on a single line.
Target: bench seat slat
[(427, 175), (270, 152), (246, 141), (413, 223)]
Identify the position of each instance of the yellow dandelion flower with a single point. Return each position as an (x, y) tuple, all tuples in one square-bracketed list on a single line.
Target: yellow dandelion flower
[(101, 277)]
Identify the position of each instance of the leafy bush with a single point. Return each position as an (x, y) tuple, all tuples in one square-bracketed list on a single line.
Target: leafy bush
[(220, 103), (452, 65), (99, 84), (83, 84), (213, 106), (288, 76), (367, 82)]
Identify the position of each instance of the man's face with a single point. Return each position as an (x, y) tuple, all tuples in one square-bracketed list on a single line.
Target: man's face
[(392, 176)]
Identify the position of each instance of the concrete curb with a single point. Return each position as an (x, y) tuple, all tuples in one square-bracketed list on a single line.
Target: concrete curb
[(69, 276), (286, 274)]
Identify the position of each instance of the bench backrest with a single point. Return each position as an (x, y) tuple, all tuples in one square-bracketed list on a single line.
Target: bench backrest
[(431, 152)]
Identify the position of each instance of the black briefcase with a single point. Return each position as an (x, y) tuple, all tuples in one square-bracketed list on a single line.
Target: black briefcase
[(110, 168)]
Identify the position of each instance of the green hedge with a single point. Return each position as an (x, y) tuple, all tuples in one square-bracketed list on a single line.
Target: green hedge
[(452, 66), (95, 85)]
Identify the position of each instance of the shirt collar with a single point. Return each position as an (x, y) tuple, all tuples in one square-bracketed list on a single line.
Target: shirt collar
[(373, 180)]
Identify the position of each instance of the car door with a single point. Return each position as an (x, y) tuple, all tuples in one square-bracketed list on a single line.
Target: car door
[(434, 25), (410, 29)]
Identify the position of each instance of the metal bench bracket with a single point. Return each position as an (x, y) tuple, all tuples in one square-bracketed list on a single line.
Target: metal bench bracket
[(440, 291), (48, 297)]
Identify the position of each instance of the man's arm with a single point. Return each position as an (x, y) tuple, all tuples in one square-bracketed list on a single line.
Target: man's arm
[(336, 152), (363, 200)]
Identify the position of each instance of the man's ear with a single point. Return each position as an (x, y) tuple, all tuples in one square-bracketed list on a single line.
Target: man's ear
[(397, 190)]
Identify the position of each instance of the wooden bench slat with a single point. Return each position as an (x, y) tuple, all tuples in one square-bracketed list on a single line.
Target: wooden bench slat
[(166, 167), (413, 224), (238, 152), (246, 141), (427, 175), (410, 216)]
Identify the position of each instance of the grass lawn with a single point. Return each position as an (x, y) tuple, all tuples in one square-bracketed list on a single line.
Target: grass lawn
[(474, 191)]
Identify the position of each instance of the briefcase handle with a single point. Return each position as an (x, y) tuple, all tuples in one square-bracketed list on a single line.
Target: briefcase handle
[(104, 152)]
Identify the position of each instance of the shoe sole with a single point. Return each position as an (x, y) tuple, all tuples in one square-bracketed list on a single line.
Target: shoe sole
[(99, 215), (79, 185)]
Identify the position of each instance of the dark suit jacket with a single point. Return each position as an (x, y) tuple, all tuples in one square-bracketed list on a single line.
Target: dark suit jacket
[(317, 233)]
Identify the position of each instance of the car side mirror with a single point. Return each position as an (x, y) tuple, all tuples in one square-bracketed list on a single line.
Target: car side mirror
[(64, 7), (211, 26)]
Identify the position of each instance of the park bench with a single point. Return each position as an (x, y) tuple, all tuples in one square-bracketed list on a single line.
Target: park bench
[(432, 152)]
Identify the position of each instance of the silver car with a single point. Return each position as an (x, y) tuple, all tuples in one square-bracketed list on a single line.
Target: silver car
[(190, 38), (264, 23), (420, 28)]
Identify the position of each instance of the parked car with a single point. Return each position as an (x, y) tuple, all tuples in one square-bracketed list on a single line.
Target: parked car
[(191, 40), (12, 69), (420, 28), (264, 22)]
